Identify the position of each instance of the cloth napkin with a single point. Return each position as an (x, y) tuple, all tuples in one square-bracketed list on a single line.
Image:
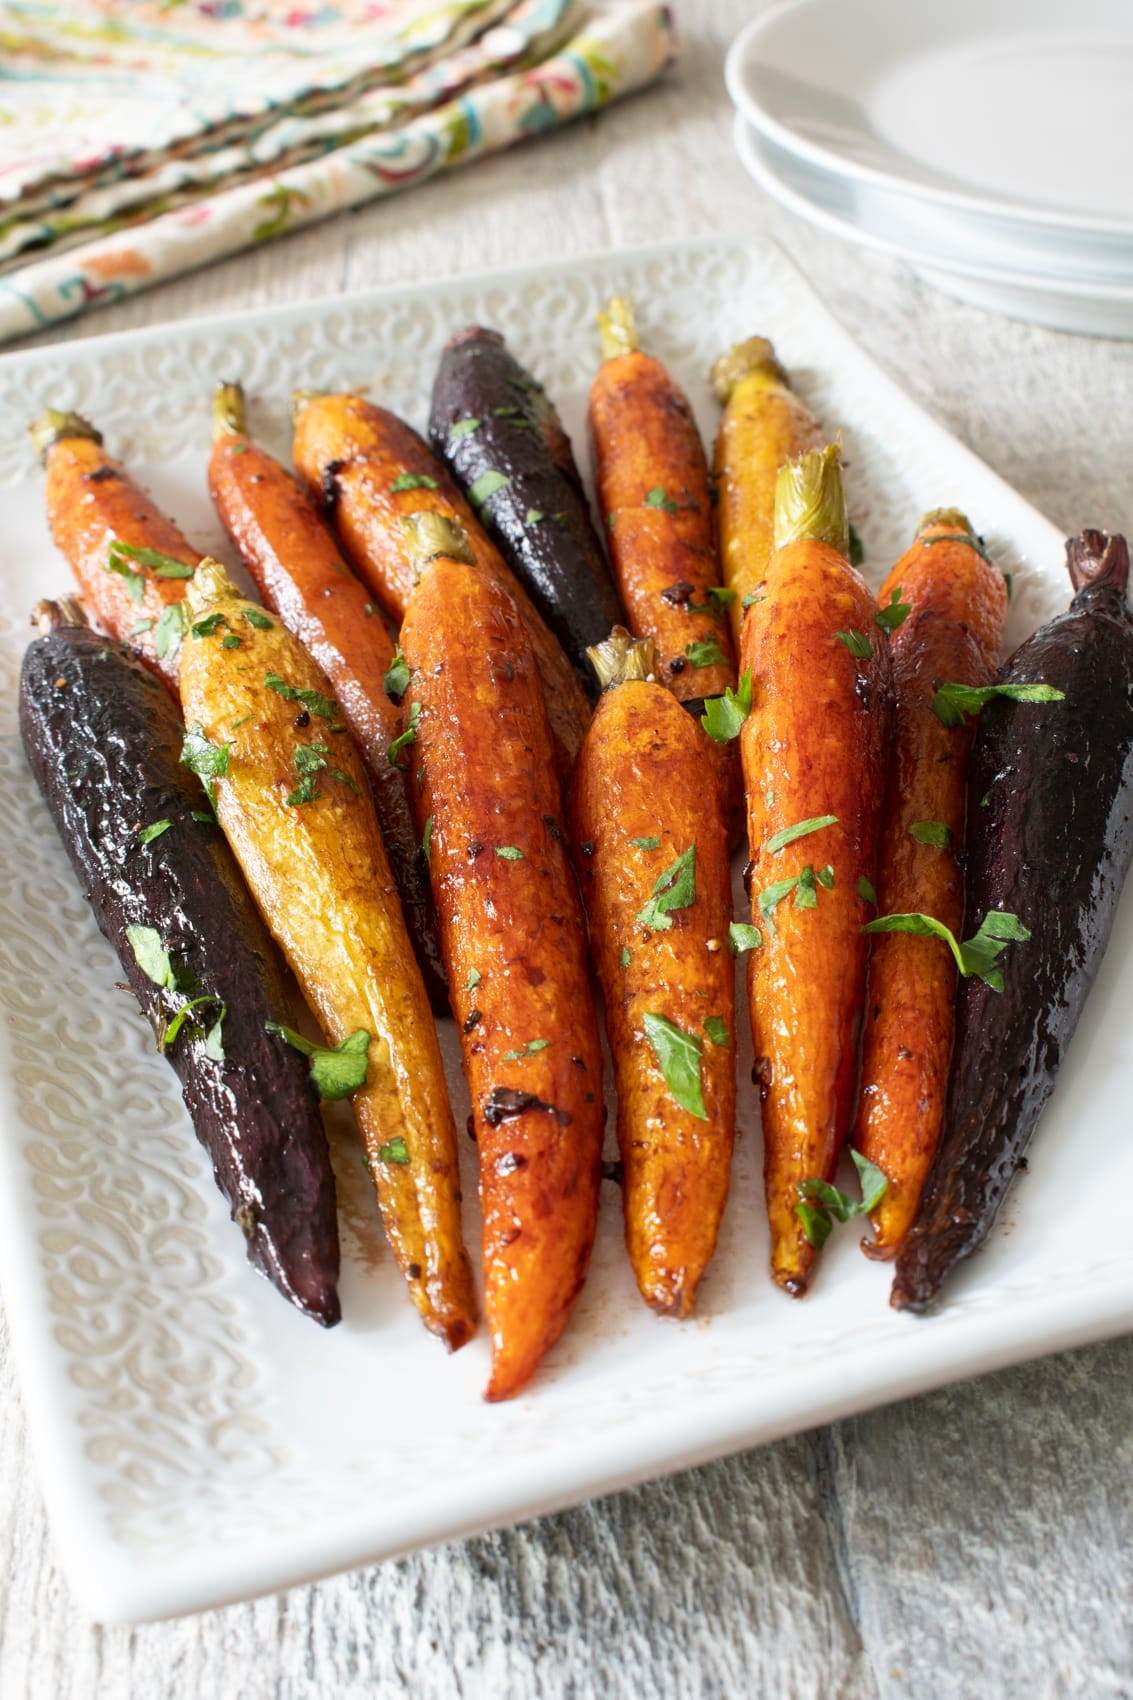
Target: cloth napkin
[(142, 138)]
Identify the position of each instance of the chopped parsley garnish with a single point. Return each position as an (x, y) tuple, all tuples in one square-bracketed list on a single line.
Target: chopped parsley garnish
[(427, 838), (674, 888), (169, 631), (533, 516), (396, 681), (857, 643), (259, 622), (722, 595), (624, 958), (473, 980), (717, 1030), (152, 957), (214, 1043), (207, 761), (724, 716), (509, 852), (894, 613), (825, 877), (938, 833), (314, 701), (140, 626), (529, 1050), (230, 641), (804, 884), (706, 653), (656, 498), (679, 1054), (866, 891), (309, 760), (952, 701), (394, 1150), (485, 486), (821, 1203), (335, 1072), (646, 843), (742, 936), (174, 1026), (348, 780), (120, 556), (118, 563), (788, 835), (976, 955), (463, 428), (752, 597), (412, 481), (409, 736), (147, 834), (206, 627)]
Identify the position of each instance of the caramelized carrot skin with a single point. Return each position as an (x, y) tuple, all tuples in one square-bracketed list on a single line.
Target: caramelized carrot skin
[(91, 501), (514, 943), (645, 439), (350, 454), (298, 569), (641, 776), (814, 744), (958, 606)]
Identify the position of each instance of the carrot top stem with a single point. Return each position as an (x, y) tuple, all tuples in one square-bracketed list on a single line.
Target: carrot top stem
[(620, 658), (953, 518), (55, 424), (617, 332), (753, 358), (210, 583), (56, 611), (229, 414), (810, 503), (430, 535)]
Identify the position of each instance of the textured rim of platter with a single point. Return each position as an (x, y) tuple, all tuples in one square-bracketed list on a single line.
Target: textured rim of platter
[(197, 1441), (746, 48)]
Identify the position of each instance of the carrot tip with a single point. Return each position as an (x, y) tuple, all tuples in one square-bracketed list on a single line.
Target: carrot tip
[(810, 503), (55, 424), (54, 612), (745, 359), (229, 415), (951, 519), (620, 658), (617, 332)]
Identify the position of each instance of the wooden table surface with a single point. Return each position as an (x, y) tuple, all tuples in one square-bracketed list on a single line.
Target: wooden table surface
[(974, 1543)]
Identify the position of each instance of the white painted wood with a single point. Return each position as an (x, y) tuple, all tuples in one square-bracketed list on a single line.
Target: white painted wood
[(974, 1543)]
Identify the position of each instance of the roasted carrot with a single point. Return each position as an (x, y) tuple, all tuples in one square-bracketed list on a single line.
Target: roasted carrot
[(134, 591), (956, 602), (514, 942), (370, 471), (652, 853), (299, 571), (654, 490), (813, 749), (290, 794), (764, 424)]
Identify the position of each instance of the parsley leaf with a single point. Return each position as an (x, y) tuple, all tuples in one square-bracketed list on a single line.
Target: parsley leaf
[(207, 761), (147, 834), (509, 853), (674, 888), (717, 1030), (976, 955), (722, 595), (259, 622), (952, 701), (230, 641), (396, 681), (724, 716), (532, 1047), (935, 832), (335, 1072), (485, 486), (173, 1027), (152, 957), (314, 701), (656, 498), (821, 1203), (533, 516), (427, 838), (706, 653), (309, 760), (895, 612), (779, 840), (742, 936), (407, 737), (162, 566), (624, 959), (752, 597), (857, 643), (214, 1044), (473, 980), (169, 631), (462, 428), (646, 843), (866, 891), (206, 627), (394, 1150), (679, 1054), (412, 481)]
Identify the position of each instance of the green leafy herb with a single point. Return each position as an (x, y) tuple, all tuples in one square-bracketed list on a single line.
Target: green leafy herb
[(394, 1151), (773, 894), (722, 595), (952, 701), (825, 877), (717, 1030), (230, 641), (976, 955), (314, 701), (169, 631), (752, 597), (656, 498), (935, 832), (742, 936), (427, 838), (207, 761), (118, 562), (214, 1043), (529, 1050), (174, 1026), (348, 780), (121, 554), (396, 681), (336, 1072), (409, 736), (856, 551), (140, 626), (866, 891), (509, 853), (674, 888), (968, 537), (205, 816), (821, 1203), (679, 1054), (624, 958), (412, 481), (788, 835), (724, 716), (646, 843), (533, 516), (255, 619), (206, 627), (147, 834), (806, 891), (473, 980), (611, 521), (894, 613), (857, 643), (152, 957), (706, 653), (485, 486), (309, 760), (817, 1225), (463, 428)]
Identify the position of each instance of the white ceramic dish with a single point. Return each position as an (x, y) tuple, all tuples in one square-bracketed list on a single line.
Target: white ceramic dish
[(198, 1441), (862, 214), (1017, 109)]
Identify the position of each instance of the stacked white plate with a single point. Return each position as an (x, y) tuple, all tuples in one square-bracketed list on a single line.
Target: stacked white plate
[(987, 142)]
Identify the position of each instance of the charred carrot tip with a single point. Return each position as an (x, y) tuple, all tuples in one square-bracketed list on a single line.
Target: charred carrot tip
[(55, 424), (954, 519), (756, 355), (229, 415), (54, 612), (621, 657), (810, 503), (617, 333)]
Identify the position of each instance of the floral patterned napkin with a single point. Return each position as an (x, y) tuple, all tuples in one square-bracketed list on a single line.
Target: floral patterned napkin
[(141, 138)]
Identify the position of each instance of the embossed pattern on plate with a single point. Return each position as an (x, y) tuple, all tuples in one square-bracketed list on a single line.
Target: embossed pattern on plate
[(197, 1441)]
